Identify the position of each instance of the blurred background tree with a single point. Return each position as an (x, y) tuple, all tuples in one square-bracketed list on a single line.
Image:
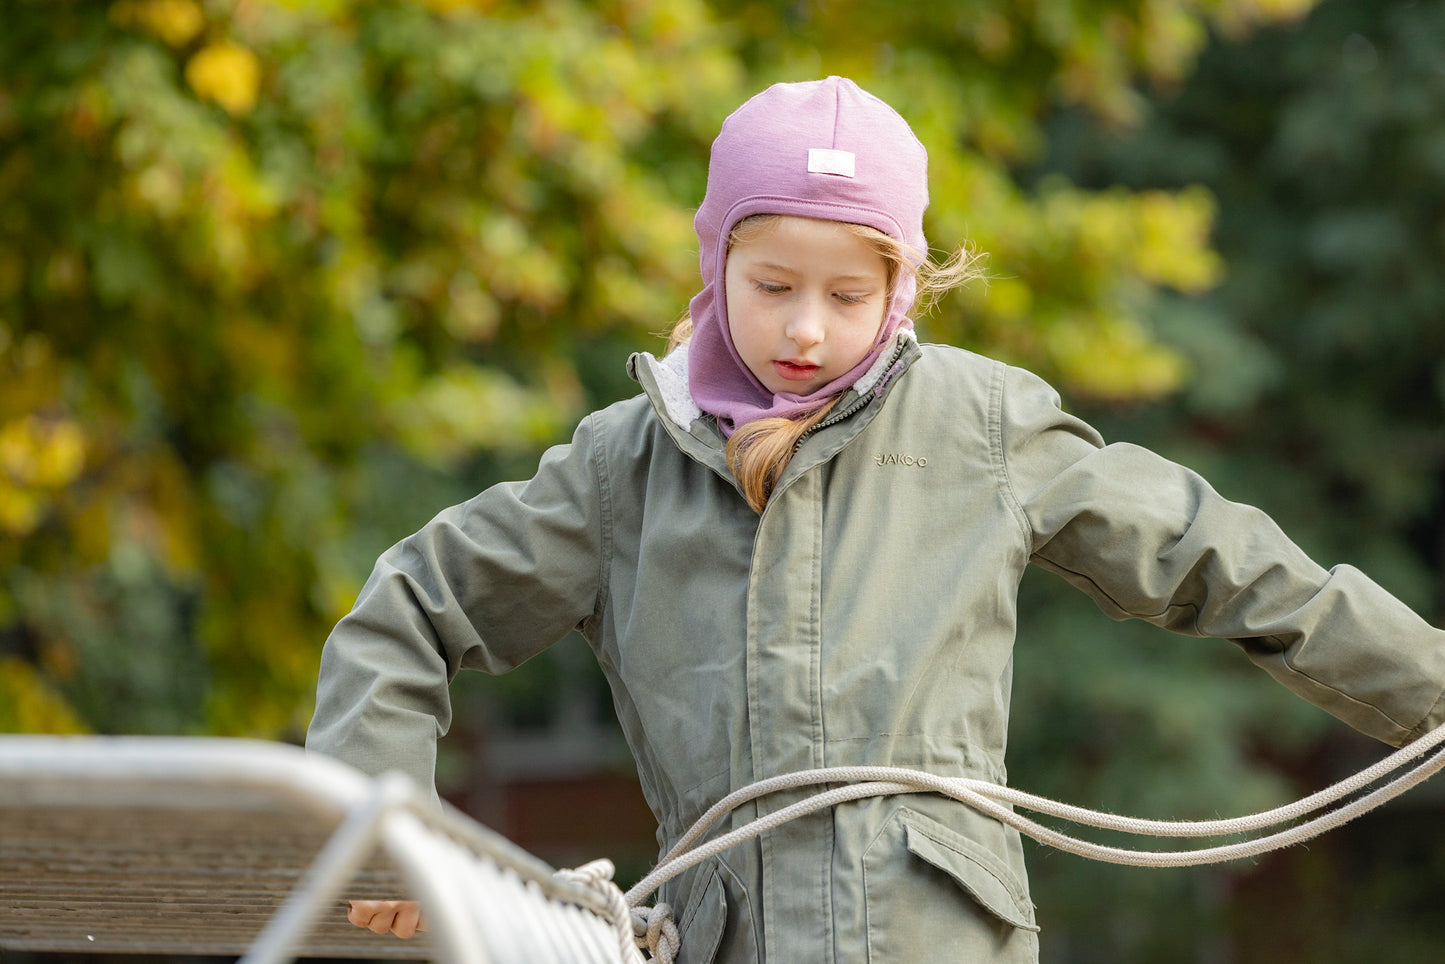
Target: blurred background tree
[(1316, 389), (281, 280), (278, 280)]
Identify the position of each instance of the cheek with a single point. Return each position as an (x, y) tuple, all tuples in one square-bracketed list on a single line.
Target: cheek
[(860, 344), (864, 329), (880, 319), (735, 304), (749, 336), (747, 316)]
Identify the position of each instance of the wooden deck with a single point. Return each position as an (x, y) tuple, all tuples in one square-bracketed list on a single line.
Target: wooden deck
[(170, 881), (178, 846)]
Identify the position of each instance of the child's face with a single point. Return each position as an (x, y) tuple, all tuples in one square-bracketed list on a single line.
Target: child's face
[(805, 301)]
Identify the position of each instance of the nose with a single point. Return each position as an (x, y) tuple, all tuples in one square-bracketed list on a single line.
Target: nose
[(807, 327)]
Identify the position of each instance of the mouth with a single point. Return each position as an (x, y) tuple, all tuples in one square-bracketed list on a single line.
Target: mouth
[(795, 371)]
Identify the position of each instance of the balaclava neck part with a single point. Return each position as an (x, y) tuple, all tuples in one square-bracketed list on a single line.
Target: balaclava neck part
[(823, 149)]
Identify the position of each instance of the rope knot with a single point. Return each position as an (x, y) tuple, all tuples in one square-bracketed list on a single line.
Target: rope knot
[(639, 929), (654, 929)]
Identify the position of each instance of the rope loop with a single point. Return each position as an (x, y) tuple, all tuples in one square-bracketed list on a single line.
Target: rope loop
[(652, 928), (597, 875), (858, 782)]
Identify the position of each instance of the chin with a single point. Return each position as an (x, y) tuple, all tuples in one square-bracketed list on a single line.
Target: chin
[(797, 388)]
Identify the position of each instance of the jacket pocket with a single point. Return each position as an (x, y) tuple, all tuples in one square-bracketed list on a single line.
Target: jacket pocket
[(931, 893), (972, 867)]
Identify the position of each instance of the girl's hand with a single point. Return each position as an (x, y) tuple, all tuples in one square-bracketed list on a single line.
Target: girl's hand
[(401, 917)]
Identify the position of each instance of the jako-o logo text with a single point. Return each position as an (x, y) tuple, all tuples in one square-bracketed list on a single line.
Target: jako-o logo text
[(896, 459)]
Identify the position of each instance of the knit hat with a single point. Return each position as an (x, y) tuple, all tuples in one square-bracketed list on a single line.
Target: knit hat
[(822, 149)]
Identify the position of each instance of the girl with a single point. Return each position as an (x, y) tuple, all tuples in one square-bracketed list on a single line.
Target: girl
[(800, 546)]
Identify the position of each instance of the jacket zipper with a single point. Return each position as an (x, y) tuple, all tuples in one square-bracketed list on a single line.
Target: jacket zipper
[(862, 400)]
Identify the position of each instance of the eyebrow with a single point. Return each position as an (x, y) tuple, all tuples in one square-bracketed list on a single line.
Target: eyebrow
[(853, 278)]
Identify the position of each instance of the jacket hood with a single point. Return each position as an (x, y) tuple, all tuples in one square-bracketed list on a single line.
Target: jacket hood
[(823, 149)]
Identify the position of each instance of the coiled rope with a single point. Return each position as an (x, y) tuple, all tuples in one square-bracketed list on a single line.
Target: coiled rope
[(998, 802)]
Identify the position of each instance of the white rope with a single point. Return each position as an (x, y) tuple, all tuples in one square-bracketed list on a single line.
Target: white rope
[(598, 876), (638, 928), (997, 801), (654, 929)]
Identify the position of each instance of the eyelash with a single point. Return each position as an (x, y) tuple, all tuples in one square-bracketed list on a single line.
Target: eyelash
[(776, 289)]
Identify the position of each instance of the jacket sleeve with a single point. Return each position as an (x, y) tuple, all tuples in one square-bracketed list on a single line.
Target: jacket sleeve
[(485, 585), (1149, 539)]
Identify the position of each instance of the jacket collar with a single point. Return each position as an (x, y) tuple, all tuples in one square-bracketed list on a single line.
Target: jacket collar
[(664, 380)]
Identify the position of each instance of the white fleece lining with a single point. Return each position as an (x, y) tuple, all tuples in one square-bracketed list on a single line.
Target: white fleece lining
[(882, 364), (671, 375)]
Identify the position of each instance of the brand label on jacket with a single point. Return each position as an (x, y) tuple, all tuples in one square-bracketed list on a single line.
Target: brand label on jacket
[(895, 458)]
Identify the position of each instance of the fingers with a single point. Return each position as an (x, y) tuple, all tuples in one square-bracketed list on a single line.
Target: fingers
[(400, 917), (408, 919), (364, 912)]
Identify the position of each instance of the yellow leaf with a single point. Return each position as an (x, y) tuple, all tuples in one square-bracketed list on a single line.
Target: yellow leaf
[(61, 456), (177, 22), (29, 705), (226, 73), (446, 7), (44, 454), (20, 510)]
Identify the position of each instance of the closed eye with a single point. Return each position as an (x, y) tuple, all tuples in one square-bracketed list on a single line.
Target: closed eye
[(850, 299), (770, 287)]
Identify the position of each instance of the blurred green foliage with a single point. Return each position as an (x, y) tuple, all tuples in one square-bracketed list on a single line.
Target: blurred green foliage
[(273, 276), (278, 279)]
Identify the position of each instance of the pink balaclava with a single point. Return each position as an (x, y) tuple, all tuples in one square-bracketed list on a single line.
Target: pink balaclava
[(823, 149)]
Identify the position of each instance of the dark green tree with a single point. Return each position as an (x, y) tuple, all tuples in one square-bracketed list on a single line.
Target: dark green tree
[(1317, 391)]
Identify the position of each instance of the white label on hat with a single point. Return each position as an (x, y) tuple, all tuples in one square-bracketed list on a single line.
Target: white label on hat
[(823, 160)]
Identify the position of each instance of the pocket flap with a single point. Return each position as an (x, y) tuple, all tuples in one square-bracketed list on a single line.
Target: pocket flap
[(976, 870), (701, 928)]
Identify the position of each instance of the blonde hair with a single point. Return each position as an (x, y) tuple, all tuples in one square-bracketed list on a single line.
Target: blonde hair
[(759, 451)]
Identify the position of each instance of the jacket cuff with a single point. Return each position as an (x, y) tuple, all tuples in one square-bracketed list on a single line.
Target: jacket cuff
[(1432, 719)]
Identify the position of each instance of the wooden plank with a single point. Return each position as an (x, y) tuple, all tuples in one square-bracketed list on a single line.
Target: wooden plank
[(172, 880)]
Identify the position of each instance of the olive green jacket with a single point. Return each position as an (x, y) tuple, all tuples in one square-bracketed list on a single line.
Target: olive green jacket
[(866, 617)]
